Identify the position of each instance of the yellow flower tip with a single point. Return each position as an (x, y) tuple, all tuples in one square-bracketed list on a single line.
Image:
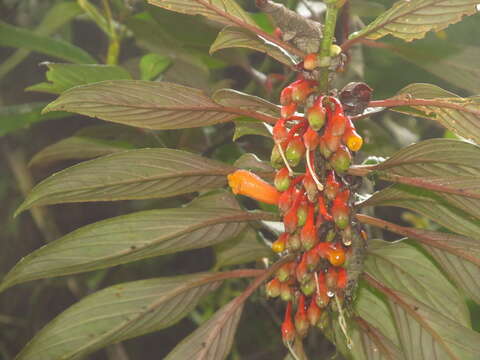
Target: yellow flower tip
[(278, 246), (354, 143), (244, 182)]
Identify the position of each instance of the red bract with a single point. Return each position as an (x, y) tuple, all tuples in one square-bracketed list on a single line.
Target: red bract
[(301, 271), (341, 210), (321, 298), (310, 186), (331, 281), (342, 278), (285, 200)]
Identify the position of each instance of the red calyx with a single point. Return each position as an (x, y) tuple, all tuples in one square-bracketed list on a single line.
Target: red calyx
[(310, 186), (331, 281), (301, 89), (301, 271), (340, 209), (288, 110), (280, 132), (301, 320), (322, 208), (288, 329), (337, 119), (321, 297), (282, 179), (332, 186), (311, 139), (273, 288), (313, 312), (308, 234), (290, 219), (342, 278), (295, 151)]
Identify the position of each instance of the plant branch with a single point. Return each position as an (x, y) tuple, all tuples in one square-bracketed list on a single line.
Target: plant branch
[(326, 44), (394, 102)]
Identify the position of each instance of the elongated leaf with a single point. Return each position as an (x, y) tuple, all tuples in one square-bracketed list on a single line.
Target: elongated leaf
[(132, 174), (243, 128), (118, 313), (459, 115), (231, 37), (251, 162), (243, 249), (375, 345), (151, 105), (234, 98), (443, 165), (58, 15), (130, 238), (222, 11), (213, 339), (454, 63), (426, 333), (404, 268), (152, 65), (12, 36), (459, 257), (15, 117), (429, 204), (62, 77), (76, 148), (410, 20)]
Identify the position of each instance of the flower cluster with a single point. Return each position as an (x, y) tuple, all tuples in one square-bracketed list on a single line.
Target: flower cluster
[(312, 152)]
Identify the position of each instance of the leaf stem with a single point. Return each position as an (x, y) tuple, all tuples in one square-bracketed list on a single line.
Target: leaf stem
[(326, 44)]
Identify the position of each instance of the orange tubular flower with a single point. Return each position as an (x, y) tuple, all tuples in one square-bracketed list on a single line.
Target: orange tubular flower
[(351, 138), (244, 182)]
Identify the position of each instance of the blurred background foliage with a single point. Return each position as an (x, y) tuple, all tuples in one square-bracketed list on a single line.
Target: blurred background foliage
[(154, 44)]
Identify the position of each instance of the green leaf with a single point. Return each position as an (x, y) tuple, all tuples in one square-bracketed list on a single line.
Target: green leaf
[(234, 98), (243, 128), (151, 105), (450, 61), (426, 333), (430, 205), (213, 339), (128, 238), (245, 248), (251, 162), (62, 77), (231, 37), (404, 268), (131, 174), (223, 11), (76, 148), (460, 115), (118, 313), (410, 20), (442, 165), (458, 256), (375, 336), (12, 36), (152, 65), (15, 117), (58, 15)]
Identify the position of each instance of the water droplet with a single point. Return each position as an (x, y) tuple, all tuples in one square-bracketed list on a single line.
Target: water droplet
[(330, 294)]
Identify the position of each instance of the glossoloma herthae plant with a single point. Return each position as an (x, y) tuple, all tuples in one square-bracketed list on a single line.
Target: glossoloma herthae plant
[(308, 206)]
